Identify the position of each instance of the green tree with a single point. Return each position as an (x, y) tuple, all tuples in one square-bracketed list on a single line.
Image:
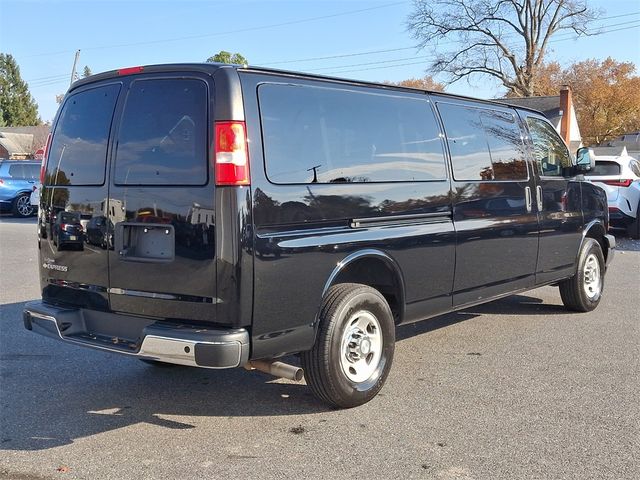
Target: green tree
[(86, 72), (228, 57), (17, 107)]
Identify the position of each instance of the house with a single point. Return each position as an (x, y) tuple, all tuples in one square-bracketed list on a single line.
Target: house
[(19, 143), (630, 141), (558, 109)]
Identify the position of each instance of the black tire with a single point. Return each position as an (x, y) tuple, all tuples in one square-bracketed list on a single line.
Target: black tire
[(22, 207), (574, 290), (633, 229), (343, 310)]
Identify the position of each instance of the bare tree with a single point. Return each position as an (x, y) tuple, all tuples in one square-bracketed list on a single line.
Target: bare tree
[(505, 39)]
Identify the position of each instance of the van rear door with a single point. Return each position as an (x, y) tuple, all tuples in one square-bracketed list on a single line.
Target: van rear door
[(161, 201), (73, 265)]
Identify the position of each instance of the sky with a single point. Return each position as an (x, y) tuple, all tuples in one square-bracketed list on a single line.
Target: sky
[(368, 39)]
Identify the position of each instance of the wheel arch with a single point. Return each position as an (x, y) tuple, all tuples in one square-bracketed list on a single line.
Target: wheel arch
[(376, 269), (596, 230)]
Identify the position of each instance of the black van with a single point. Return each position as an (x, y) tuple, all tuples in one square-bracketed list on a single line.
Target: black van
[(247, 214)]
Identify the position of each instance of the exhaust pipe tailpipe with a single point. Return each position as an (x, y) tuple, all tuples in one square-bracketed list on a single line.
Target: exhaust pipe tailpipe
[(277, 369)]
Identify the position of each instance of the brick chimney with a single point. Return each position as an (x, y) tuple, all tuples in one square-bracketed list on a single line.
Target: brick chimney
[(566, 107)]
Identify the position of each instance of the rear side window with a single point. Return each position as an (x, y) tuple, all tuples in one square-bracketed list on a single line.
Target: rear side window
[(162, 138), (634, 165), (484, 144), (79, 147), (326, 135), (605, 168)]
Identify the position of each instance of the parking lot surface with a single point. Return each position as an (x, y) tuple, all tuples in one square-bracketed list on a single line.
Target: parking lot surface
[(517, 388)]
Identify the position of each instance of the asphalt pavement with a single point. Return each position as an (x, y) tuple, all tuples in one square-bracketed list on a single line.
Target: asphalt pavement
[(517, 388)]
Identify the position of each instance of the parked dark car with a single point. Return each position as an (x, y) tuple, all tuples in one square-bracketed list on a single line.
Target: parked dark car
[(17, 179), (99, 232), (257, 214), (67, 230)]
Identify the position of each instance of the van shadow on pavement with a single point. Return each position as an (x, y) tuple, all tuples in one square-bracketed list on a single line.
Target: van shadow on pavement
[(53, 393)]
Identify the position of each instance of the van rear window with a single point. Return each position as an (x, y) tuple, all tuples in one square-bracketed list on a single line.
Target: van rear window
[(162, 138), (329, 135), (78, 151)]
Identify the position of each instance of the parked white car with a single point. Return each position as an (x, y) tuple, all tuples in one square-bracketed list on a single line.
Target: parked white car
[(619, 175)]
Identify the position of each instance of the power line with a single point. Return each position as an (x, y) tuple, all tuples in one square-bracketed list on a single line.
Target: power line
[(574, 37), (371, 52), (229, 32)]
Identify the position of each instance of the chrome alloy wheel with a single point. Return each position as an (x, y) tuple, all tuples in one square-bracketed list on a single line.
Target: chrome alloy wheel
[(23, 206), (361, 346), (592, 283)]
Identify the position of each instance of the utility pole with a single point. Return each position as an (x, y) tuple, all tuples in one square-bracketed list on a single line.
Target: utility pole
[(73, 70)]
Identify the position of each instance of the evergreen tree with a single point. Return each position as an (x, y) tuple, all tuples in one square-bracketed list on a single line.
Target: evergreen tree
[(86, 72), (17, 107)]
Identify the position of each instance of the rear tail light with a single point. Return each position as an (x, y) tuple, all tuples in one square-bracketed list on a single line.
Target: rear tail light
[(63, 226), (43, 165), (130, 70), (231, 154), (619, 183)]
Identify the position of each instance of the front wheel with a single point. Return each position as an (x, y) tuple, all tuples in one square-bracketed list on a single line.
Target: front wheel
[(583, 291), (352, 356)]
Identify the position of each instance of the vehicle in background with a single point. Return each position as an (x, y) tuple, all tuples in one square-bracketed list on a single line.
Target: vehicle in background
[(17, 178), (619, 176), (98, 232), (67, 230), (34, 198)]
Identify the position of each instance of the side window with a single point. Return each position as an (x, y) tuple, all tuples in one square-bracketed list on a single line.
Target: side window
[(162, 138), (549, 151), (327, 135), (634, 165), (484, 144), (79, 147), (32, 172), (17, 171)]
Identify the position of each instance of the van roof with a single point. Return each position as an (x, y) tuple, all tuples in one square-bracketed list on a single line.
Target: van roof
[(209, 68)]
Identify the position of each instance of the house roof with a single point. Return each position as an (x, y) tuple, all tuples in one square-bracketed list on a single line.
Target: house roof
[(16, 143), (38, 135), (549, 106)]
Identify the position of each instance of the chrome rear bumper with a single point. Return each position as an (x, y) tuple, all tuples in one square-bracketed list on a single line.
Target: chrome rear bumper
[(140, 337)]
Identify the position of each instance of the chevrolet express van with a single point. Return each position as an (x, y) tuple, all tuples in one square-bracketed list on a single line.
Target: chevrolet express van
[(231, 216)]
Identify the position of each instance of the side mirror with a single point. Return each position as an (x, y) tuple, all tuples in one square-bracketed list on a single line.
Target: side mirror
[(586, 159)]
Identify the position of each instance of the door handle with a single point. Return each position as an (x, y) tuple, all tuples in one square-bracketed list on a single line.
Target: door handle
[(539, 197), (527, 196)]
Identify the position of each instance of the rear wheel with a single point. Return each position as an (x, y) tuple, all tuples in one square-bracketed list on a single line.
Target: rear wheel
[(583, 291), (633, 230), (22, 206), (352, 356)]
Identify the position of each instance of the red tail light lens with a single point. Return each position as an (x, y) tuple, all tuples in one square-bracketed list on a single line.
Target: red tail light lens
[(130, 70), (231, 154), (43, 165), (619, 183)]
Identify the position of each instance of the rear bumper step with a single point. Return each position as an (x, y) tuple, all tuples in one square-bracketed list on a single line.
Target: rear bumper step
[(140, 337)]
